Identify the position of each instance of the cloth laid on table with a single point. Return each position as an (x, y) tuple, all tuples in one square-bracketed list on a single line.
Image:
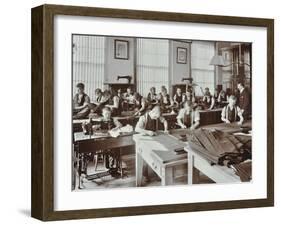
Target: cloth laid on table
[(222, 148), (116, 132), (244, 170)]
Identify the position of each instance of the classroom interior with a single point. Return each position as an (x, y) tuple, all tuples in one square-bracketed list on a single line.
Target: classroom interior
[(203, 73)]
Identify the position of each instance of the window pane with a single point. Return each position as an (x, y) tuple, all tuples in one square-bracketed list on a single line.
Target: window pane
[(88, 62), (152, 64)]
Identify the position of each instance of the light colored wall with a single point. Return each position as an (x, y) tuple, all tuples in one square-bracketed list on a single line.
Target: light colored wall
[(115, 67), (178, 71)]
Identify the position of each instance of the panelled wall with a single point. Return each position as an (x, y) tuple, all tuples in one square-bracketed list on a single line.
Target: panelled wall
[(152, 60), (178, 71)]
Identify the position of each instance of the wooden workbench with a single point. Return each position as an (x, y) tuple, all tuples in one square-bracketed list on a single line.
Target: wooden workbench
[(158, 153), (198, 163), (219, 174)]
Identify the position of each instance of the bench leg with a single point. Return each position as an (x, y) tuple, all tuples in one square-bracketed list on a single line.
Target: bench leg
[(168, 176), (139, 169), (193, 173)]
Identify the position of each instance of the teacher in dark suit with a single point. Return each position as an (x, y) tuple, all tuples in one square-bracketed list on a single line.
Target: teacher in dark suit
[(244, 100)]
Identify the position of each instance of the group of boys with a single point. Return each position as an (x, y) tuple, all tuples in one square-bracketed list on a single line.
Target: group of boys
[(150, 109)]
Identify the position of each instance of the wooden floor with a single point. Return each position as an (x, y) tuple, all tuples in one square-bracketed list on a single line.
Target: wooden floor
[(129, 179)]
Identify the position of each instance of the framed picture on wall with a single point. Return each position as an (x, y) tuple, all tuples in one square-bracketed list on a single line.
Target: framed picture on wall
[(121, 49), (181, 55), (101, 150)]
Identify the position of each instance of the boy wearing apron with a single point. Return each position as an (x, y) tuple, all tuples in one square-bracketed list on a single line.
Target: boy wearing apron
[(147, 126), (81, 103), (188, 117), (231, 113)]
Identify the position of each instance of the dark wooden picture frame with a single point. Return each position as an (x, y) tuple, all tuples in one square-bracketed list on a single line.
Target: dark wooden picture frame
[(179, 60), (42, 203), (116, 49)]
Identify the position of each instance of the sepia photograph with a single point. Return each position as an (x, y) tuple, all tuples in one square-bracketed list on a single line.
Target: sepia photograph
[(171, 112), (148, 112)]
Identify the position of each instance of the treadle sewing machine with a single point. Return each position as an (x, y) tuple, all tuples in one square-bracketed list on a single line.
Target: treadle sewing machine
[(97, 143)]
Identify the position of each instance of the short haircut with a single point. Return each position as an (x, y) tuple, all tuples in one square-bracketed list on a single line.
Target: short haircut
[(136, 94), (106, 109), (107, 93), (163, 88), (80, 85), (241, 83), (232, 97), (98, 90)]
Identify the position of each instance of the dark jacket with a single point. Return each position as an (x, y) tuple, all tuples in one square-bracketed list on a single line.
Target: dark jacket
[(245, 102)]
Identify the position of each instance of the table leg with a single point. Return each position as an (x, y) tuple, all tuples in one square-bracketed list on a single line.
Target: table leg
[(120, 162), (168, 175), (139, 168), (80, 168), (192, 173)]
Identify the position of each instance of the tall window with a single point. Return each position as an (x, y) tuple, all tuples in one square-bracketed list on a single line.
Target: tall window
[(152, 64), (88, 62), (202, 72)]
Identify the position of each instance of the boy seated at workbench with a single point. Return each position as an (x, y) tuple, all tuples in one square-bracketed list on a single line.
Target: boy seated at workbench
[(232, 112), (165, 101), (81, 102), (147, 123), (128, 100), (114, 103), (188, 116), (179, 98), (208, 100), (141, 104), (98, 103), (105, 124)]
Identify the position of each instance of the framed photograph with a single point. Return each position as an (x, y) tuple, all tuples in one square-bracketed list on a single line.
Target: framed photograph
[(157, 132), (121, 49), (181, 55)]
